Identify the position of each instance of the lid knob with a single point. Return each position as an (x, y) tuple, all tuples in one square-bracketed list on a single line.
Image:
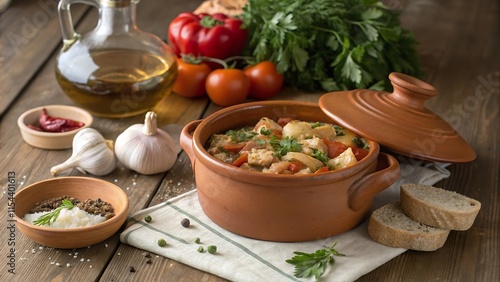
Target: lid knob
[(410, 92)]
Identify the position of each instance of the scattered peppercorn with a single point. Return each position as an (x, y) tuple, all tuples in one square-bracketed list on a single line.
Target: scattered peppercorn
[(148, 218), (197, 240), (162, 242), (212, 249), (201, 249), (146, 254), (148, 261), (185, 222), (131, 269)]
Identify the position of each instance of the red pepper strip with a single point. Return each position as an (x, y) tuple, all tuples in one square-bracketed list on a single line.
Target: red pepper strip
[(233, 148), (335, 148), (295, 166), (243, 158), (284, 120), (323, 169), (359, 153)]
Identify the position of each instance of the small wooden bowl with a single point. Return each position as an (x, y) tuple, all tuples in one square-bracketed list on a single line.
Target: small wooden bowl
[(52, 140), (81, 188)]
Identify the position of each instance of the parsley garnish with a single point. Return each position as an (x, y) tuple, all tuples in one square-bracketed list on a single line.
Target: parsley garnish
[(52, 216), (263, 131), (338, 130), (307, 265), (285, 145), (323, 157), (331, 45), (361, 143), (241, 135), (316, 124)]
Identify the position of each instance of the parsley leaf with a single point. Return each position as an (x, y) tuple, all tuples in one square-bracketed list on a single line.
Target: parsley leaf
[(313, 264)]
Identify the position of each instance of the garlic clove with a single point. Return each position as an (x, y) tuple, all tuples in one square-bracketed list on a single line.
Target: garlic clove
[(91, 154)]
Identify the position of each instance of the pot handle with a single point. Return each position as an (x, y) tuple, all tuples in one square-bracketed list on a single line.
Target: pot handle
[(186, 139), (365, 188)]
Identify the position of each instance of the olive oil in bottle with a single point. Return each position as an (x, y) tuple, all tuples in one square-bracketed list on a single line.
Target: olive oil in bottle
[(117, 83)]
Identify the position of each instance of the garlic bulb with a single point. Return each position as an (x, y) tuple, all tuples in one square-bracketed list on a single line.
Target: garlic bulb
[(91, 153), (145, 148)]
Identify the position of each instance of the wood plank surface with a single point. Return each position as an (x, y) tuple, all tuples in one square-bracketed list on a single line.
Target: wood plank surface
[(459, 46)]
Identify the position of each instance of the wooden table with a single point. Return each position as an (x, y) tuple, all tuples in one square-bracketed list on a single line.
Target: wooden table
[(459, 52)]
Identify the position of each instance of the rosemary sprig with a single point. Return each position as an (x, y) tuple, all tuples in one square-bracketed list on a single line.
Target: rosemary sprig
[(52, 216)]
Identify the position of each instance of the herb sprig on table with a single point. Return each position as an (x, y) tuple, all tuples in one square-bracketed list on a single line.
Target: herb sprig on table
[(52, 215), (313, 264), (331, 44)]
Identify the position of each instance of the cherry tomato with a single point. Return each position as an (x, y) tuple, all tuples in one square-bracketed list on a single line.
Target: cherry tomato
[(227, 87), (191, 79), (265, 81)]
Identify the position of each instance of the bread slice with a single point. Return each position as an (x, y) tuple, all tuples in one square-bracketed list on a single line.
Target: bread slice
[(390, 226), (439, 207)]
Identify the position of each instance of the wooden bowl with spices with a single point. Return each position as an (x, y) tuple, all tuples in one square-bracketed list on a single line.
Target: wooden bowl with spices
[(89, 210), (53, 126)]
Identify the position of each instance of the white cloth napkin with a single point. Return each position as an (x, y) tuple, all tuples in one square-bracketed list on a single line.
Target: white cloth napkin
[(242, 259)]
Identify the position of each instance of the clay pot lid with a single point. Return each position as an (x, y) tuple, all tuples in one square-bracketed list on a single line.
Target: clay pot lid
[(399, 120)]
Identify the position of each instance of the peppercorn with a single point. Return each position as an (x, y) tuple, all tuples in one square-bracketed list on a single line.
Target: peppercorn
[(212, 249), (162, 242), (131, 269), (148, 218), (201, 249), (148, 261), (185, 222)]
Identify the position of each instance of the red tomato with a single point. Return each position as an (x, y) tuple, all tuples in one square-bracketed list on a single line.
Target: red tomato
[(265, 81), (191, 79), (335, 148), (227, 87), (359, 153)]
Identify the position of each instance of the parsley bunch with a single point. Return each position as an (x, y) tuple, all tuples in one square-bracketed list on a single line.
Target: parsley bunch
[(331, 44)]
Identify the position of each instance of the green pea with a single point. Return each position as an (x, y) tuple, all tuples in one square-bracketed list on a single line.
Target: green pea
[(162, 242), (212, 249)]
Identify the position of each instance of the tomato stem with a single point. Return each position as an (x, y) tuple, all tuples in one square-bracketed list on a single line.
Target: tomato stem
[(248, 60), (215, 60)]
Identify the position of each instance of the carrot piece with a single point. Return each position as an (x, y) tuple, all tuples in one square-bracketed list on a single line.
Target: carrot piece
[(243, 158), (233, 148)]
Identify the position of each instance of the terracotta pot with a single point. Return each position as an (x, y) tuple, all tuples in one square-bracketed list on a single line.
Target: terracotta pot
[(285, 208)]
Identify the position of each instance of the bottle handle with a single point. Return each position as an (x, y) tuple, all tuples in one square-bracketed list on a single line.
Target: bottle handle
[(69, 34)]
